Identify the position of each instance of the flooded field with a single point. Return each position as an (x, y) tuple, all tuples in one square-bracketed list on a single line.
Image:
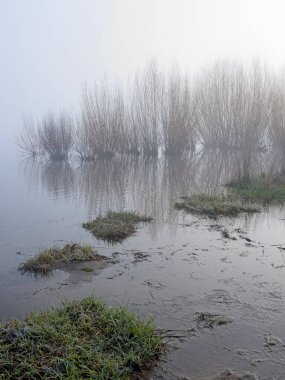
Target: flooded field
[(142, 190), (215, 287)]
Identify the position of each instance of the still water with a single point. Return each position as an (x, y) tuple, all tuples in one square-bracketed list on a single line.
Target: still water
[(170, 269)]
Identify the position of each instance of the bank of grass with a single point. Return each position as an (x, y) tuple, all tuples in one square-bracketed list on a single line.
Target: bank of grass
[(115, 226), (213, 206), (262, 189), (82, 340), (51, 258)]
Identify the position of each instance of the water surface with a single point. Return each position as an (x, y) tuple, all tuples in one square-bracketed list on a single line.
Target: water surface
[(170, 269)]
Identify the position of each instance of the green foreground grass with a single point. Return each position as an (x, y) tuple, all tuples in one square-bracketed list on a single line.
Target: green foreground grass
[(82, 340), (115, 226), (261, 189), (51, 258), (213, 205)]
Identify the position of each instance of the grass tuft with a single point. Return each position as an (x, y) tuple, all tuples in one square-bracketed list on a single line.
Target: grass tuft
[(83, 340), (262, 189), (87, 269), (213, 205), (115, 226), (51, 258)]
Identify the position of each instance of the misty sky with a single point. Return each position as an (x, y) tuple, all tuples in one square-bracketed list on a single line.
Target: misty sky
[(49, 48)]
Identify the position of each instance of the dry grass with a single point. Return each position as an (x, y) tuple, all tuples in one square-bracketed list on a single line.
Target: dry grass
[(51, 258), (266, 188), (115, 226), (213, 206)]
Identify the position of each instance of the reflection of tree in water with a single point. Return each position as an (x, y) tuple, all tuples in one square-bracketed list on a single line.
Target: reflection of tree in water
[(32, 167), (149, 186), (257, 163), (58, 178), (179, 176), (216, 168), (210, 170), (272, 216), (123, 183), (146, 189), (103, 185)]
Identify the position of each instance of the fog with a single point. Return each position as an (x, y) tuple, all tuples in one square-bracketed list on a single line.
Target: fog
[(49, 49), (151, 131)]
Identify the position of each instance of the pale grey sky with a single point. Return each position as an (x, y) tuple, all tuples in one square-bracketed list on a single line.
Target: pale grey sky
[(194, 32), (49, 48)]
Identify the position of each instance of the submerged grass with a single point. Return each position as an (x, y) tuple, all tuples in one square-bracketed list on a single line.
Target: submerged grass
[(210, 320), (83, 340), (115, 226), (213, 205), (263, 189), (51, 258)]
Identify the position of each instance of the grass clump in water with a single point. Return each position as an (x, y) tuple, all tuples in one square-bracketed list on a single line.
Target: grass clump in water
[(83, 340), (115, 226), (87, 269), (263, 188), (213, 205), (51, 258)]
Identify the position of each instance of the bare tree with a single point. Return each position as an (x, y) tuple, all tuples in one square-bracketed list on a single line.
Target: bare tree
[(277, 113), (145, 107), (55, 134), (228, 106), (233, 106), (102, 119), (29, 141), (177, 114)]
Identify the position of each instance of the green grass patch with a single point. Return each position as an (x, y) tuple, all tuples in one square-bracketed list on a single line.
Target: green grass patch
[(115, 226), (262, 189), (82, 340), (52, 258), (87, 269), (213, 205)]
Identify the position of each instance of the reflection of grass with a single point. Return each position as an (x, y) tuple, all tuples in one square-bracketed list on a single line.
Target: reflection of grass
[(83, 340), (261, 188), (49, 259), (213, 205), (115, 226)]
